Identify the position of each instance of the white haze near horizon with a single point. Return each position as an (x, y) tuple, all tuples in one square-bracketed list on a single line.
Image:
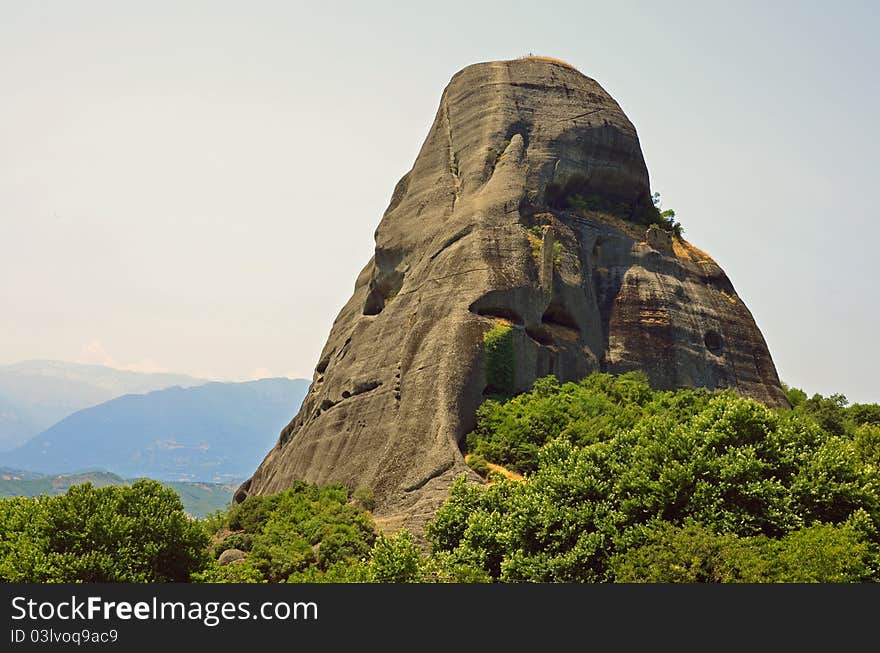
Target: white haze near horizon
[(193, 186)]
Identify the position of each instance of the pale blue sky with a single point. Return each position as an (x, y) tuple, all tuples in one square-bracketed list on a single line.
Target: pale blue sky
[(193, 186)]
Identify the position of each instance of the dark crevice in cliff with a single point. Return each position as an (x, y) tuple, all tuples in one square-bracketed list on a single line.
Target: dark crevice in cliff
[(449, 242), (720, 282), (326, 405), (521, 127), (453, 158), (540, 335), (714, 342), (344, 350), (560, 323), (324, 362), (360, 388), (385, 282), (607, 284), (439, 471), (498, 304), (497, 312)]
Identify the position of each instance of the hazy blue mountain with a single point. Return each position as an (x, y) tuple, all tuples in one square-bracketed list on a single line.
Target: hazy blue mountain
[(34, 395), (216, 432), (198, 499)]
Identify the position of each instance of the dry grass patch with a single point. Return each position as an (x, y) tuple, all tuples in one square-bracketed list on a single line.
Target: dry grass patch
[(498, 469), (683, 249)]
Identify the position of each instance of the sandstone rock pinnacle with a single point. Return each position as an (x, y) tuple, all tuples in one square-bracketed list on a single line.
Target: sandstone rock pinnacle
[(524, 213)]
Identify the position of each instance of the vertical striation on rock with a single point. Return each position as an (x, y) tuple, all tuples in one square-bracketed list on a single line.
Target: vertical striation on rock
[(524, 208)]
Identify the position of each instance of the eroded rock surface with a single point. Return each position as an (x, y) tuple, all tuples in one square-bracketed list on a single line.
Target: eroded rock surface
[(524, 209)]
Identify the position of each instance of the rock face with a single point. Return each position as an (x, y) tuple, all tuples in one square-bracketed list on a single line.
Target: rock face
[(231, 555), (517, 246)]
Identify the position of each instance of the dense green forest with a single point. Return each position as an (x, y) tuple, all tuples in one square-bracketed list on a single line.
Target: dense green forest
[(605, 480)]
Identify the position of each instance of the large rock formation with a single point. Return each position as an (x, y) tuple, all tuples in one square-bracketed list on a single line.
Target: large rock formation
[(517, 246)]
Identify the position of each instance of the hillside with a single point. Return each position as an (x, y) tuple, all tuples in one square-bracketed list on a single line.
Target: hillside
[(199, 499), (215, 432), (36, 394)]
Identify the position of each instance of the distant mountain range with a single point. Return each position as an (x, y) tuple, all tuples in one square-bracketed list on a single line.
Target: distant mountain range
[(34, 395), (217, 432), (198, 499)]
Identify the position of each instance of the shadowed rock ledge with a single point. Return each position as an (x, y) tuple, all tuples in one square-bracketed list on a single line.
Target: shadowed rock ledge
[(478, 236)]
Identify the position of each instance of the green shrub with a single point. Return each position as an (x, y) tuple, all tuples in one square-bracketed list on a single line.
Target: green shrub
[(510, 434), (216, 520), (864, 414), (363, 498), (446, 530), (395, 559), (444, 567), (251, 514), (280, 553), (240, 541), (665, 219), (824, 553), (131, 534), (829, 412), (500, 370), (627, 483), (302, 532), (866, 440), (691, 554), (795, 396), (240, 571), (340, 545), (478, 463), (348, 571)]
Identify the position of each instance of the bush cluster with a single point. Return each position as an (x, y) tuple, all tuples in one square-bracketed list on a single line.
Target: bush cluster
[(313, 534), (624, 483), (500, 364), (127, 534)]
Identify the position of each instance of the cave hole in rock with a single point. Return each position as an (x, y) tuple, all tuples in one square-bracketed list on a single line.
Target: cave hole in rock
[(559, 323), (323, 363), (540, 335), (499, 312), (521, 127), (714, 341), (360, 388), (364, 386), (375, 302), (492, 391)]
